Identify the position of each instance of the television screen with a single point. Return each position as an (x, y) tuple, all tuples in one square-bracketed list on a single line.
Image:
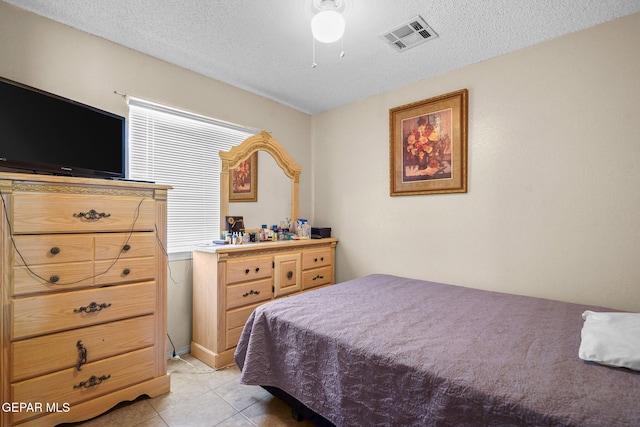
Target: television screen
[(45, 133)]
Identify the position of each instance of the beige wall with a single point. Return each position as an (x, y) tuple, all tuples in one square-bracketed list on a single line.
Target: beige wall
[(59, 59), (553, 207)]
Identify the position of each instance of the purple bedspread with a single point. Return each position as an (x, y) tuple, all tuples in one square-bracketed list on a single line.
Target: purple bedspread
[(391, 351)]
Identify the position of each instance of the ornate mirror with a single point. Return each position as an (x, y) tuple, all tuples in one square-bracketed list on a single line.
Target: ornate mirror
[(260, 142)]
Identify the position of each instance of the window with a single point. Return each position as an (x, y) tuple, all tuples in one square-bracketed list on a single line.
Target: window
[(180, 149)]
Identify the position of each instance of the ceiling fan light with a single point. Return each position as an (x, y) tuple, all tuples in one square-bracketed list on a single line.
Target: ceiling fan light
[(327, 26)]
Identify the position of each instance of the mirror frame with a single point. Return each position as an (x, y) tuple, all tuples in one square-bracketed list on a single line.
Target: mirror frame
[(260, 142)]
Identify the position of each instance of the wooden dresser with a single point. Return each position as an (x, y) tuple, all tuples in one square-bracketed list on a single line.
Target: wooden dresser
[(230, 281), (83, 314)]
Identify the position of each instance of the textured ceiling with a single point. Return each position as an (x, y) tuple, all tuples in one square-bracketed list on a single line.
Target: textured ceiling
[(265, 46)]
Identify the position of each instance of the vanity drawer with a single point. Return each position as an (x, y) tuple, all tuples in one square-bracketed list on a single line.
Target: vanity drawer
[(73, 386), (61, 277), (125, 270), (316, 258), (248, 293), (56, 312), (233, 336), (245, 270), (50, 353), (125, 245), (235, 324), (52, 248), (317, 277), (35, 213)]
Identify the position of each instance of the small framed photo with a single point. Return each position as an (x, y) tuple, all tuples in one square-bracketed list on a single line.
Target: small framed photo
[(235, 224), (428, 145), (244, 181)]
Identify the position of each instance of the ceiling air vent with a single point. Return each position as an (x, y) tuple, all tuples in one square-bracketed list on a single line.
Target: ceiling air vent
[(409, 34)]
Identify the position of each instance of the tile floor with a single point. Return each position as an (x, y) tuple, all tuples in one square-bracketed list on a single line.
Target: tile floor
[(201, 396)]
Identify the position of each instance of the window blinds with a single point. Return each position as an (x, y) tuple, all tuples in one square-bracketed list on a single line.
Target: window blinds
[(180, 149)]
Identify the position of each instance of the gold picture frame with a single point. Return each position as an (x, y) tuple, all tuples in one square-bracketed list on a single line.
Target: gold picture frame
[(428, 145), (244, 181)]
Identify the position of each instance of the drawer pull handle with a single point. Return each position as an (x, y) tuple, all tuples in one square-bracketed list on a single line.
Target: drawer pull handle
[(91, 215), (126, 247), (92, 381), (318, 277), (251, 292), (247, 271), (257, 269), (82, 355), (126, 271), (55, 250), (290, 275), (92, 308), (54, 278)]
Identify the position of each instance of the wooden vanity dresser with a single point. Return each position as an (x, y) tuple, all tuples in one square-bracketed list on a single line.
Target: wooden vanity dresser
[(83, 303), (230, 281)]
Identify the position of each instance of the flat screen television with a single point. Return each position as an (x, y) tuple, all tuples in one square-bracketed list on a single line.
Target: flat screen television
[(45, 133)]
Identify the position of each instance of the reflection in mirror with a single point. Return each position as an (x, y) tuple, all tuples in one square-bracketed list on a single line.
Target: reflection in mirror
[(274, 196)]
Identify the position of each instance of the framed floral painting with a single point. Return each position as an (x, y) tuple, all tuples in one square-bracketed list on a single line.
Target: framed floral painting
[(244, 181), (428, 145)]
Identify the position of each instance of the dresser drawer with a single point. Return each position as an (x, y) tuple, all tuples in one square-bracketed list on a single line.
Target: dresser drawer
[(51, 249), (73, 386), (235, 324), (317, 277), (316, 258), (56, 312), (233, 336), (125, 245), (125, 270), (54, 352), (248, 293), (52, 277), (68, 213), (245, 270)]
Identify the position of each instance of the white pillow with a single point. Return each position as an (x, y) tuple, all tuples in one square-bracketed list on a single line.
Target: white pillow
[(611, 339)]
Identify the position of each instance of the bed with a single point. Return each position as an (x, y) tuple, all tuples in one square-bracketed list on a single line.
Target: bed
[(383, 350)]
